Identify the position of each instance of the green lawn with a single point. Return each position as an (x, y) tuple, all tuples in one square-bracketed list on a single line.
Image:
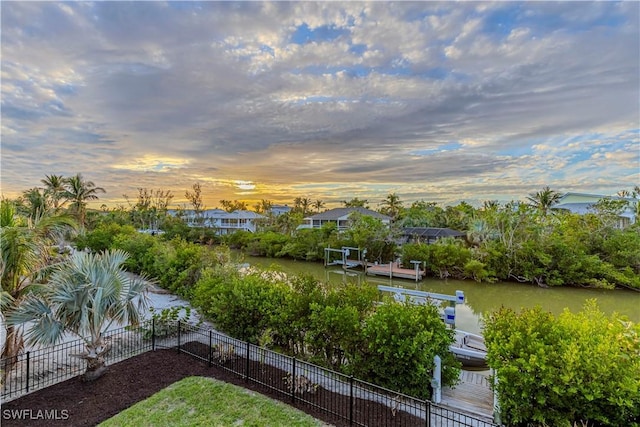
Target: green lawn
[(199, 401)]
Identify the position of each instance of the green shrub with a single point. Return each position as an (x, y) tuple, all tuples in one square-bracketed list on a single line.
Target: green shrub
[(447, 258), (336, 323), (414, 252), (102, 237), (292, 323), (242, 306), (398, 344), (565, 370), (476, 270), (137, 245), (165, 321)]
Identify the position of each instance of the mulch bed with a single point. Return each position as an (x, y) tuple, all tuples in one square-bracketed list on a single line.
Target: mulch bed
[(137, 378)]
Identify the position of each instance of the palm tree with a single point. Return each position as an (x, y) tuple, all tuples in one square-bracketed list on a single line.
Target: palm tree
[(54, 188), (24, 254), (86, 295), (490, 205), (356, 203), (79, 192), (543, 200), (34, 202), (392, 205), (318, 204), (636, 195), (480, 231)]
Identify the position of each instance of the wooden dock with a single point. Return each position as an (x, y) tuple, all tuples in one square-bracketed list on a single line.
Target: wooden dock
[(393, 270), (472, 395)]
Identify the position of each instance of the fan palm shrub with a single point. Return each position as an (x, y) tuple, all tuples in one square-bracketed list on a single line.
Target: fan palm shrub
[(85, 296)]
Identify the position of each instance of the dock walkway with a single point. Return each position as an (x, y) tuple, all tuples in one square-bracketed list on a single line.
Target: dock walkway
[(394, 270), (473, 394)]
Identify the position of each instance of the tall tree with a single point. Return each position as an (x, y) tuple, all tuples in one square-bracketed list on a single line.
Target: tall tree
[(421, 214), (356, 203), (24, 254), (318, 204), (79, 191), (490, 205), (263, 207), (34, 203), (86, 295), (392, 206), (195, 197), (233, 205), (543, 200), (150, 206), (302, 205), (54, 188)]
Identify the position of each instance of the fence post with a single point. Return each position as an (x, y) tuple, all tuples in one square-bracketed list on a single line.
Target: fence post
[(350, 400), (427, 413), (153, 334), (178, 336), (210, 348), (436, 382), (28, 353), (292, 385), (246, 366)]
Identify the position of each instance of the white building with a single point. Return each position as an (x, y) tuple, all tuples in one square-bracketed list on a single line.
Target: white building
[(580, 203), (224, 222), (340, 217)]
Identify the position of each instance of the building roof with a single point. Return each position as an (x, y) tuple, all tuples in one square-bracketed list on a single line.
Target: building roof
[(588, 207), (245, 214), (595, 197), (341, 213), (220, 213), (431, 232)]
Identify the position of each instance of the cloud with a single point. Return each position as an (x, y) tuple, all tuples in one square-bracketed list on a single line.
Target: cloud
[(422, 97)]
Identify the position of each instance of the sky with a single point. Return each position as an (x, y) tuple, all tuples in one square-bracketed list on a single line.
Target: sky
[(433, 101)]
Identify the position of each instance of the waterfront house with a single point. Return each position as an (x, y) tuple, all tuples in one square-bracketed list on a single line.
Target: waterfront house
[(428, 235), (340, 216), (222, 221), (280, 209), (580, 203)]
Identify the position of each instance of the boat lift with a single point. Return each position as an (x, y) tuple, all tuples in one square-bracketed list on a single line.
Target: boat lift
[(422, 297), (344, 260)]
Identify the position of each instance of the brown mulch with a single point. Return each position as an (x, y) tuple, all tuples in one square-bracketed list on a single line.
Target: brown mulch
[(78, 403)]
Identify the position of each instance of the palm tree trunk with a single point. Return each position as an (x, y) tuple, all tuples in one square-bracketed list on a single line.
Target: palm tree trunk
[(95, 354), (12, 347)]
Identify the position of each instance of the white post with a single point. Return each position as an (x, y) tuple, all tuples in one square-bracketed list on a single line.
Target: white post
[(436, 382), (496, 403)]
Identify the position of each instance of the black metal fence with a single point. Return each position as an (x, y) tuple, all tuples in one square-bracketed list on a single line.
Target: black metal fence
[(41, 367), (340, 396)]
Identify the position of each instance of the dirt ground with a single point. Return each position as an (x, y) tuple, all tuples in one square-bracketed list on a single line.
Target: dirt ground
[(76, 403)]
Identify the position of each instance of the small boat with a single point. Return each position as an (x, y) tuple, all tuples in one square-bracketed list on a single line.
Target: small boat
[(470, 349)]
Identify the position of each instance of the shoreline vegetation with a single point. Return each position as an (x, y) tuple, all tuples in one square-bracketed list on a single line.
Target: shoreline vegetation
[(563, 260)]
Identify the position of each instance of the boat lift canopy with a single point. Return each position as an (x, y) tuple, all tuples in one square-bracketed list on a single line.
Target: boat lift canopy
[(420, 296)]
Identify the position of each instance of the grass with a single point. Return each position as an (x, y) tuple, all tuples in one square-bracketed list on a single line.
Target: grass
[(199, 401)]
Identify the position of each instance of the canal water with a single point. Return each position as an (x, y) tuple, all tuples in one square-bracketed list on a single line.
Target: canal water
[(480, 297)]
